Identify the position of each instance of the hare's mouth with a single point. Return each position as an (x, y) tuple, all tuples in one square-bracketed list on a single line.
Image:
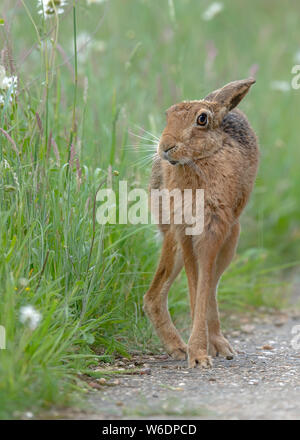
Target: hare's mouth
[(166, 155), (171, 161)]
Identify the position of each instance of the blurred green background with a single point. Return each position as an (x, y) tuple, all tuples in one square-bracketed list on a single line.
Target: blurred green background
[(135, 58)]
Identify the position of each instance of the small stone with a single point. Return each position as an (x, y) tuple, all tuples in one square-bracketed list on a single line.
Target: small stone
[(212, 379), (145, 371), (28, 415), (163, 356), (119, 403), (267, 347), (95, 385), (281, 320), (279, 323), (120, 363), (253, 382), (138, 363), (248, 328), (102, 380), (116, 382)]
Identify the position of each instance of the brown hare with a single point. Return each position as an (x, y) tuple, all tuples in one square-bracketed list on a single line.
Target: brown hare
[(209, 145)]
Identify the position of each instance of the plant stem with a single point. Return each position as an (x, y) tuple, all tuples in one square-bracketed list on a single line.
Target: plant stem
[(73, 128)]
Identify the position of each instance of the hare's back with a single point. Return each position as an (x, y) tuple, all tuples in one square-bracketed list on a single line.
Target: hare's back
[(237, 126)]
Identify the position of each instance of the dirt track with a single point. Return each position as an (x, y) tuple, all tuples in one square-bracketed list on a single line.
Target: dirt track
[(261, 382)]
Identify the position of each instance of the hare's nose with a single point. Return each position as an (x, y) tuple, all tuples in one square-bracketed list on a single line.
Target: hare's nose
[(166, 149)]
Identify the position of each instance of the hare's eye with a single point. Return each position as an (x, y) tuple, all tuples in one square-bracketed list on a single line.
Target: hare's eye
[(202, 119)]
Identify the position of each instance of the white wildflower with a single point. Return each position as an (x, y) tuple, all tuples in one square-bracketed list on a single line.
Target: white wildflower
[(7, 166), (8, 85), (214, 9), (282, 86), (30, 317), (49, 7), (2, 75), (23, 282)]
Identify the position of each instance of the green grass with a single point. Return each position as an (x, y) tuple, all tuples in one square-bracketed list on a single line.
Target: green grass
[(70, 124)]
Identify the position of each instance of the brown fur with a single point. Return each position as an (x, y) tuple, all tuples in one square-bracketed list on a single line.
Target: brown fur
[(222, 159)]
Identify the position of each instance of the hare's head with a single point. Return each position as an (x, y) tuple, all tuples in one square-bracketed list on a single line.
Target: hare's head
[(192, 131)]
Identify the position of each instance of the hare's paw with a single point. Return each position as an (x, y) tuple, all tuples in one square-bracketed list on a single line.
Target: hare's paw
[(178, 352), (199, 358), (218, 345)]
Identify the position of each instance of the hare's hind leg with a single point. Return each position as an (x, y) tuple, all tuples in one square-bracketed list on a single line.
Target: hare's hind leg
[(156, 299), (217, 343)]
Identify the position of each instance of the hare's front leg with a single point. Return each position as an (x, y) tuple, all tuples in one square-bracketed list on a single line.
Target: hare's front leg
[(191, 269), (218, 344), (198, 342), (156, 299)]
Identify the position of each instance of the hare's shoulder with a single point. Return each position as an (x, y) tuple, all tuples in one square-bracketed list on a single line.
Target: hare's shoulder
[(237, 126)]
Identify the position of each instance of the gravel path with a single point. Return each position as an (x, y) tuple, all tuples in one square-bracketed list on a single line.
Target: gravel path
[(261, 382)]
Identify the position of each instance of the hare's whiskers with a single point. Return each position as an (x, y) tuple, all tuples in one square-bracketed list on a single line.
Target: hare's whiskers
[(140, 147), (153, 141), (144, 160), (148, 132)]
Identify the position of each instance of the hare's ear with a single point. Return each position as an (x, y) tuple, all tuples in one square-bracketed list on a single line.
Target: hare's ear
[(231, 95)]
